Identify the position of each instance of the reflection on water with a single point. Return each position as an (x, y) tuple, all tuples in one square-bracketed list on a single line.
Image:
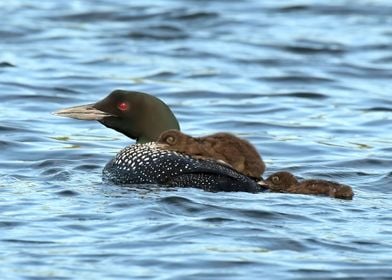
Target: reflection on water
[(307, 82)]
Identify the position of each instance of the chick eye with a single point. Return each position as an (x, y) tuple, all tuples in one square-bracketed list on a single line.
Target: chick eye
[(170, 139), (123, 106), (275, 179)]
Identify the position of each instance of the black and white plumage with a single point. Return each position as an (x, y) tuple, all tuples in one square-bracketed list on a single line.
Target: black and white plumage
[(147, 164)]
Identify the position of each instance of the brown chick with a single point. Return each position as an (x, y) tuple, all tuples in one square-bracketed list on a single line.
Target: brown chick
[(226, 147), (286, 182)]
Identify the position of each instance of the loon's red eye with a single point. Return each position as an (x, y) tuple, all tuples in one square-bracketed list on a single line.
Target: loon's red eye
[(122, 106)]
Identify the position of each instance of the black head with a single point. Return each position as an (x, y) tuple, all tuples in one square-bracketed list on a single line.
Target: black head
[(138, 115)]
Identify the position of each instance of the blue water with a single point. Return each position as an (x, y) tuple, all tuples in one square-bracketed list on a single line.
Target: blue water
[(307, 82)]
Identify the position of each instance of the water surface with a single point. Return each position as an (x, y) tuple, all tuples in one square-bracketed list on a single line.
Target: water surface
[(308, 82)]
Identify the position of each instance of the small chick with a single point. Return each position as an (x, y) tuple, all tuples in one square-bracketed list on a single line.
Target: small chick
[(286, 182), (232, 150)]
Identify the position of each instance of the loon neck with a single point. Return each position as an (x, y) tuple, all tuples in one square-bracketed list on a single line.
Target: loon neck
[(155, 118)]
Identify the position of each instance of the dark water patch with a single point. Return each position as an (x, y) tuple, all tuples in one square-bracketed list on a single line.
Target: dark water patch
[(124, 205), (6, 145), (360, 71), (88, 167), (192, 52), (306, 95), (5, 64), (335, 245), (162, 32), (367, 243), (286, 244), (211, 95), (217, 220), (93, 16), (125, 14), (10, 34), (183, 204), (50, 163), (186, 206), (377, 109), (13, 128), (143, 14), (311, 50), (81, 217), (263, 214), (312, 273), (102, 62), (222, 264), (77, 228), (203, 75), (336, 9), (261, 124), (161, 75), (67, 193), (136, 246), (372, 47), (371, 124), (65, 90), (291, 8), (56, 174), (268, 62), (27, 242), (193, 15), (383, 59), (10, 224), (145, 188), (292, 79), (381, 183), (42, 94), (349, 172)]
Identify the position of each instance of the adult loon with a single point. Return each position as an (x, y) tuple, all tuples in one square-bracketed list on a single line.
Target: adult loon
[(144, 117)]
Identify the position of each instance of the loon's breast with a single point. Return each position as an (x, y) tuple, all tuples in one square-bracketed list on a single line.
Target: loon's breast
[(147, 164)]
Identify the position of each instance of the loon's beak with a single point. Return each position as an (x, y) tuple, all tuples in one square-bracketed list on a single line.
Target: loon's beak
[(83, 112)]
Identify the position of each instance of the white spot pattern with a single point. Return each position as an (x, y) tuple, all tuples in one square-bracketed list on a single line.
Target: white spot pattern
[(146, 163)]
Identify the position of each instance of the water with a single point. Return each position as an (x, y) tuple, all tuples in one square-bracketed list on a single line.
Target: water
[(308, 82)]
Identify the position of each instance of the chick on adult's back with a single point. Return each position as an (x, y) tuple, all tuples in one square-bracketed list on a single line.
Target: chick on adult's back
[(226, 147)]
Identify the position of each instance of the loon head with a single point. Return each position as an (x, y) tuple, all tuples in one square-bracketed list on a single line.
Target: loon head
[(138, 115)]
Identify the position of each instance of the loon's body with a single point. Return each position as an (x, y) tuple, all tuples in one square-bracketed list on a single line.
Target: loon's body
[(147, 164), (143, 117)]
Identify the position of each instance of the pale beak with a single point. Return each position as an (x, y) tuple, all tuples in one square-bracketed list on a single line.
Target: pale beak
[(83, 112)]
